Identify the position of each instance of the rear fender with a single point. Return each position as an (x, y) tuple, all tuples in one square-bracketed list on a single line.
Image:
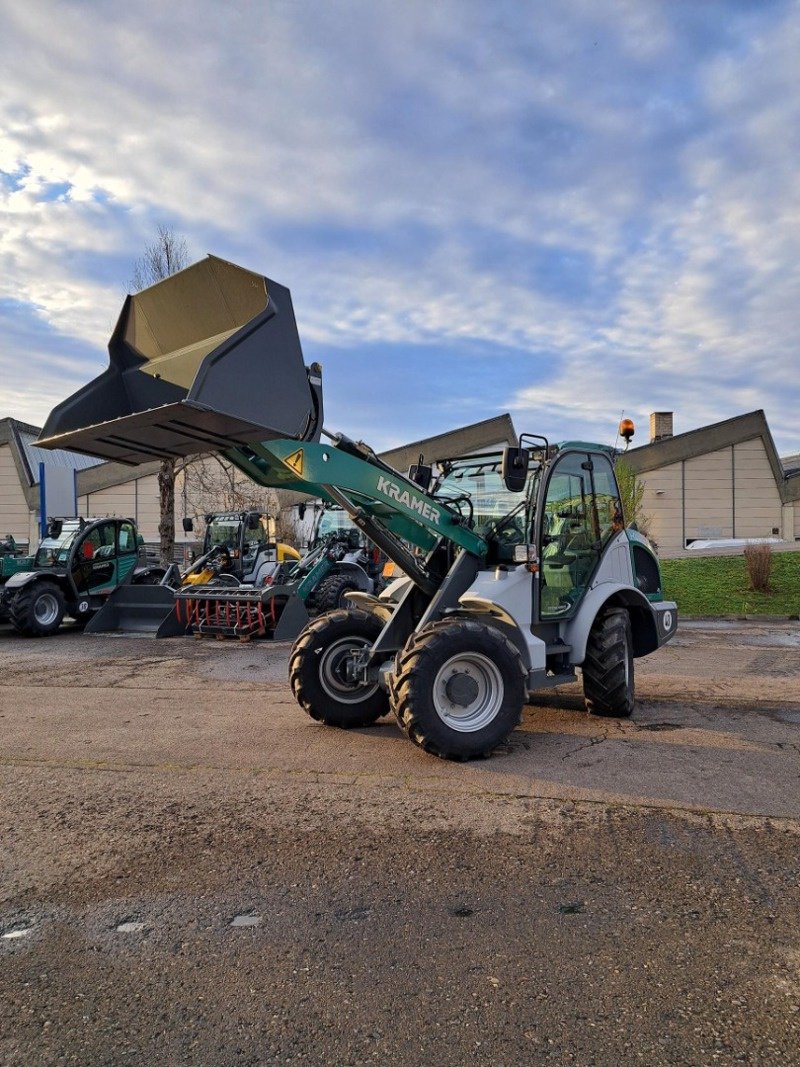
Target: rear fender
[(644, 628)]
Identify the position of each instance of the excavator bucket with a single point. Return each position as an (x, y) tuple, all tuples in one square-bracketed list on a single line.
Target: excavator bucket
[(206, 360)]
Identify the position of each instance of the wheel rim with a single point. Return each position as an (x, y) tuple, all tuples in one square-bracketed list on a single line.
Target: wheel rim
[(468, 692), (46, 609), (332, 671)]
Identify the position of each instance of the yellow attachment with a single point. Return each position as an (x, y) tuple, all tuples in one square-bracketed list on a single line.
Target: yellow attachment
[(286, 552), (201, 578)]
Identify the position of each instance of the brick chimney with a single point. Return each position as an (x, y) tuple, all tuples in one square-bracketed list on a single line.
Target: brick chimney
[(660, 425)]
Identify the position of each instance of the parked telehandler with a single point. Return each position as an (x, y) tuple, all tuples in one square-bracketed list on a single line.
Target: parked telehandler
[(520, 568), (74, 570)]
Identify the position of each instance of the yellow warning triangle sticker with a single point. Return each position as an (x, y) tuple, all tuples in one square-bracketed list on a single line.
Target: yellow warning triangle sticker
[(295, 461)]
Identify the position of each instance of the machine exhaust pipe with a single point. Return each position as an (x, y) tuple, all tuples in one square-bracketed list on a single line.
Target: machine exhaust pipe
[(206, 360)]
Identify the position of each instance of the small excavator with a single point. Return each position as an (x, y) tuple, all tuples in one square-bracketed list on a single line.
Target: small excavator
[(520, 569)]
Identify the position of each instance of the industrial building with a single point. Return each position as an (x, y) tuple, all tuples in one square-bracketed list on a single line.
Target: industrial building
[(721, 481)]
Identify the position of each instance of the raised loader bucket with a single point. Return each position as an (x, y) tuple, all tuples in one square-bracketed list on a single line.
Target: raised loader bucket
[(205, 360)]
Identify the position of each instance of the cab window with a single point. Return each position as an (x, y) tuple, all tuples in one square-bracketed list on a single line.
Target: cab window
[(100, 543), (127, 539)]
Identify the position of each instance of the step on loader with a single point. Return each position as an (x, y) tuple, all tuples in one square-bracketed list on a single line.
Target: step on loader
[(520, 570)]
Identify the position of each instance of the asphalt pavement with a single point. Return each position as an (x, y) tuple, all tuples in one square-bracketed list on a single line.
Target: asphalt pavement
[(193, 872)]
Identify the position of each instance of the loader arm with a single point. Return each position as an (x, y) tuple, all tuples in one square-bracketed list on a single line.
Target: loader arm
[(392, 510)]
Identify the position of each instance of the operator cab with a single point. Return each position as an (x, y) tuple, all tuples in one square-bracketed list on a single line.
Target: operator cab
[(497, 507)]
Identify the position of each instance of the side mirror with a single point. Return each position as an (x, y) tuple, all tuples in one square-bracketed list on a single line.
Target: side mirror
[(253, 520), (301, 511), (514, 469), (188, 525), (421, 474)]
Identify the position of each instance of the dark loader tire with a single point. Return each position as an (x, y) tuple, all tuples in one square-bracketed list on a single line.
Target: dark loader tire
[(608, 683), (37, 609), (330, 592), (458, 689), (317, 670)]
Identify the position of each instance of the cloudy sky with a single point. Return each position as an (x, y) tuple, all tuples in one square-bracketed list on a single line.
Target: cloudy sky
[(562, 210)]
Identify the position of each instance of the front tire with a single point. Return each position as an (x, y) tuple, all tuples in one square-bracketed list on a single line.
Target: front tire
[(37, 609), (331, 592), (458, 689), (318, 670), (608, 684)]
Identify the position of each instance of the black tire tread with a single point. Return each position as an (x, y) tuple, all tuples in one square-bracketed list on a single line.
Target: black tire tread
[(605, 690), (300, 681), (21, 609), (407, 663), (329, 591)]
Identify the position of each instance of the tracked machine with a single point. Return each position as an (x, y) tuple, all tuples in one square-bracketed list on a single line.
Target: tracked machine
[(519, 568)]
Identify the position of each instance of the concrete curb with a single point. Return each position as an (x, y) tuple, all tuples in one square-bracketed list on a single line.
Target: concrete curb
[(737, 618)]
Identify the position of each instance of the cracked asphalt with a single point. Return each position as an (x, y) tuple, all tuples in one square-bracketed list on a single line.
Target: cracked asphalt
[(193, 872)]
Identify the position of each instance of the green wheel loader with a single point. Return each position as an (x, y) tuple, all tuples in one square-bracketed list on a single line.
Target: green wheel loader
[(520, 571)]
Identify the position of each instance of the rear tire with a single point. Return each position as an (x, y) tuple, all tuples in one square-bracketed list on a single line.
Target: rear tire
[(458, 689), (37, 609), (608, 683), (330, 594), (317, 670)]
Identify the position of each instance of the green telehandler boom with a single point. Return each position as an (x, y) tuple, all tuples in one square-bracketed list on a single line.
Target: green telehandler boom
[(519, 567)]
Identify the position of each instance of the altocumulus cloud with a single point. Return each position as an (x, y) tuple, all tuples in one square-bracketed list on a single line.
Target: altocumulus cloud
[(565, 210)]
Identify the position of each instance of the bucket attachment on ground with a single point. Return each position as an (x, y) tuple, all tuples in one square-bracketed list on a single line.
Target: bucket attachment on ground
[(206, 360), (138, 609)]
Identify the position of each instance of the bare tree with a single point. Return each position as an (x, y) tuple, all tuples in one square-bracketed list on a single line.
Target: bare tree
[(164, 256), (211, 483)]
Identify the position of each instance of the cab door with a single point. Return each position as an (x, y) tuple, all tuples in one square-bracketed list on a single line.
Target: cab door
[(127, 550), (580, 513), (94, 562)]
